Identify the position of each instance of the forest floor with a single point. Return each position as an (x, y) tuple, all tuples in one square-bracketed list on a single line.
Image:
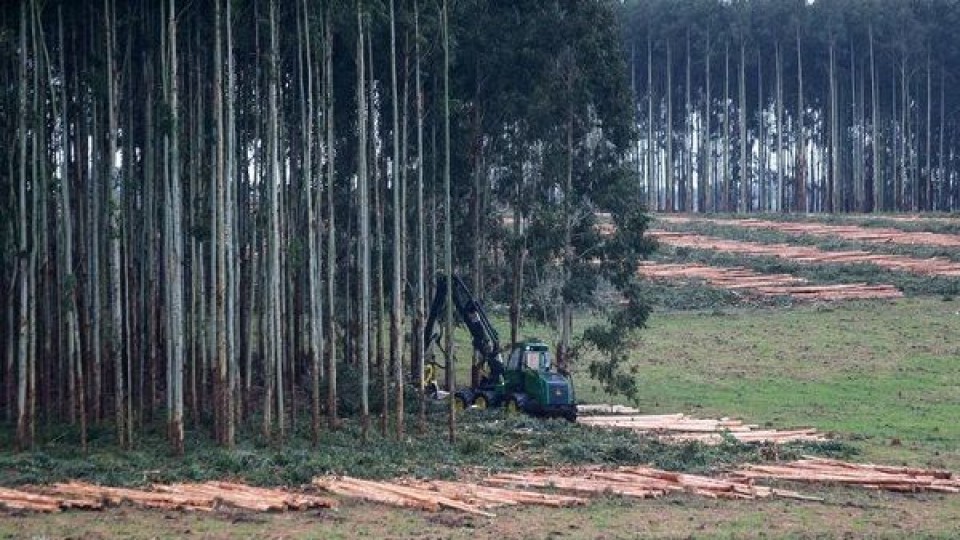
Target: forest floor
[(881, 376)]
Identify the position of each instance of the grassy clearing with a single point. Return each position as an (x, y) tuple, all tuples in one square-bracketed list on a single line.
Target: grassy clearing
[(883, 375)]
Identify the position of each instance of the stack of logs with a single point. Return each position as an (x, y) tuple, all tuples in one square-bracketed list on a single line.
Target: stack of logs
[(883, 235), (641, 483), (865, 475), (737, 278), (682, 428), (434, 495), (932, 266), (568, 487), (206, 497)]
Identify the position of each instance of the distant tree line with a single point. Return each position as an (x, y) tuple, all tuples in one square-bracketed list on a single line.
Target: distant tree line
[(796, 105), (226, 214)]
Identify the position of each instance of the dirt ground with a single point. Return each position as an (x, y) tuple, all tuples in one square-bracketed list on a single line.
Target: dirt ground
[(846, 513)]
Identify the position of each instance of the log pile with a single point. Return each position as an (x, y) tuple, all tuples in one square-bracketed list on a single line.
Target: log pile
[(205, 497), (682, 428), (865, 475), (750, 282), (881, 235), (933, 266), (434, 495), (604, 408), (641, 483), (15, 499)]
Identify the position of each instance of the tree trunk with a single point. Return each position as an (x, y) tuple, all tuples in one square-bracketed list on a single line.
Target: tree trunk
[(670, 206), (25, 356), (420, 296), (396, 311), (780, 198), (331, 227), (653, 196), (875, 169), (74, 361), (363, 259), (726, 128), (175, 256), (800, 192), (743, 204), (448, 224)]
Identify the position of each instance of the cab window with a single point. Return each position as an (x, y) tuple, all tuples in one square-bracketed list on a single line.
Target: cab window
[(532, 360), (513, 363)]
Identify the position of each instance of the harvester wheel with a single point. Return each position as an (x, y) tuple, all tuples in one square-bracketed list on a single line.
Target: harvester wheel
[(480, 402), (459, 404), (512, 407)]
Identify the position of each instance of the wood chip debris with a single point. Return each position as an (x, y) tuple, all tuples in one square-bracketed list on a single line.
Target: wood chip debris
[(682, 428), (749, 282), (435, 495), (641, 483), (865, 475), (205, 497), (935, 266)]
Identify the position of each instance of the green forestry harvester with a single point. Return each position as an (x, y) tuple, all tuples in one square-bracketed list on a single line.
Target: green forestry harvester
[(527, 382)]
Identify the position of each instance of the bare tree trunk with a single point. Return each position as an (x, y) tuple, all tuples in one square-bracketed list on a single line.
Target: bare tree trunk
[(175, 256), (653, 196), (396, 311), (313, 301), (945, 203), (25, 356), (115, 187), (743, 204), (275, 353), (876, 170), (448, 223), (230, 226), (688, 186), (726, 127), (420, 300), (780, 199), (928, 185), (77, 406), (707, 199), (834, 190), (761, 174), (219, 245), (800, 193), (331, 227), (363, 259), (670, 206)]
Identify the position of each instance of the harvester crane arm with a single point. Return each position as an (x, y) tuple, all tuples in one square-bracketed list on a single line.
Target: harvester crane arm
[(485, 339)]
